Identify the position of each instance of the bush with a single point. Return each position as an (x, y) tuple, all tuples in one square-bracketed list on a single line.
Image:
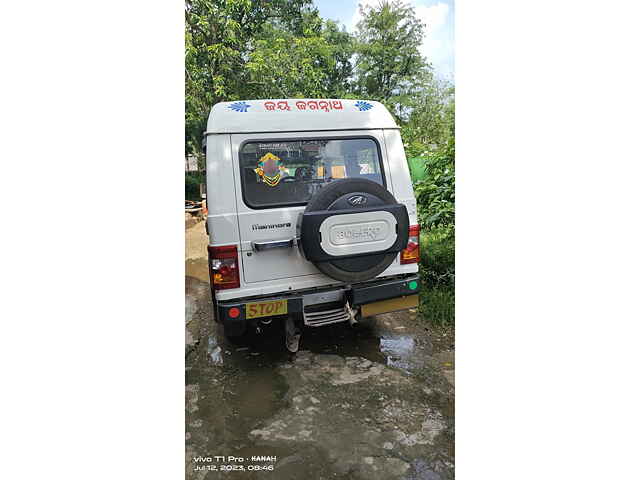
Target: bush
[(192, 183), (437, 254), (437, 273), (437, 306), (435, 194)]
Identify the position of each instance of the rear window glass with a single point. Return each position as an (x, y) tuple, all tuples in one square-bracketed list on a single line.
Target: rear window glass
[(289, 173)]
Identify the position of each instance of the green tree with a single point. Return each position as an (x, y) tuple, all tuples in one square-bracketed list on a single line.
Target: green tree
[(218, 36), (338, 65), (313, 62), (389, 66), (435, 194), (430, 122)]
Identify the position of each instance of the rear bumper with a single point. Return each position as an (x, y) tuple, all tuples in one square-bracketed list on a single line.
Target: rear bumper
[(374, 297)]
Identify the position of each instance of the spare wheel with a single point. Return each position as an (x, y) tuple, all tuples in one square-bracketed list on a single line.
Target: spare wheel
[(353, 229)]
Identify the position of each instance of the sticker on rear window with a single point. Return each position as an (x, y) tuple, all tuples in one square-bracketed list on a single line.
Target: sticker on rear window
[(270, 169)]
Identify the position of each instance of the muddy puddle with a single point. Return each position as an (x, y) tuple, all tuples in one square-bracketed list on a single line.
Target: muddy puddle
[(372, 402)]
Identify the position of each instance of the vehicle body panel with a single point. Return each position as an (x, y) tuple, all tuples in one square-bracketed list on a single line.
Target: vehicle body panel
[(231, 221), (250, 116), (381, 296)]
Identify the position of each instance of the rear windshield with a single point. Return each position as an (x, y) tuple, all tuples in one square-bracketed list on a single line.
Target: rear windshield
[(282, 173)]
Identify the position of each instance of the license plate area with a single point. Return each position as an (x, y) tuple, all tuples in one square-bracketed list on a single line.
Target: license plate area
[(266, 309), (391, 305)]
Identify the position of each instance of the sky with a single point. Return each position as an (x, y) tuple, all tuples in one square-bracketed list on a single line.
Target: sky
[(438, 43)]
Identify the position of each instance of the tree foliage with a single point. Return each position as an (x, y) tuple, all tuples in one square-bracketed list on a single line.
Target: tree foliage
[(389, 66), (218, 38), (312, 64), (430, 125), (435, 194), (255, 49), (432, 130)]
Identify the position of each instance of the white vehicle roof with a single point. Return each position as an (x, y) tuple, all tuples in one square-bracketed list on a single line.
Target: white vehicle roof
[(298, 115)]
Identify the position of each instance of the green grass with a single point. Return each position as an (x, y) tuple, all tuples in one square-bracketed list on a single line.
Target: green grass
[(437, 306), (437, 271)]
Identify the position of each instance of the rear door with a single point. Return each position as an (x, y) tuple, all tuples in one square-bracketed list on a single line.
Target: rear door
[(275, 175)]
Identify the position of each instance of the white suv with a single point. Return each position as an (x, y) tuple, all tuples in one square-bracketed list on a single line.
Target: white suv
[(312, 218)]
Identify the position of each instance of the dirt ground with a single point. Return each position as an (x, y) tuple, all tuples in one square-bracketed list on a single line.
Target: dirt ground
[(373, 402)]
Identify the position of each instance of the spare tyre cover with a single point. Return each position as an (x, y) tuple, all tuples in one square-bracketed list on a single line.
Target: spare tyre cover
[(352, 229)]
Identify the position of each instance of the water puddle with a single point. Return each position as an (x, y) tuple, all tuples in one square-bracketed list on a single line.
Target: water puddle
[(379, 340), (341, 339), (398, 351), (237, 389), (214, 351)]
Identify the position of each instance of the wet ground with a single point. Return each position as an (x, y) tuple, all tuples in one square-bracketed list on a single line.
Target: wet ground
[(371, 402)]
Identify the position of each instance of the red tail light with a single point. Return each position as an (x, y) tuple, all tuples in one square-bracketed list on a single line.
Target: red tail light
[(223, 267), (411, 254)]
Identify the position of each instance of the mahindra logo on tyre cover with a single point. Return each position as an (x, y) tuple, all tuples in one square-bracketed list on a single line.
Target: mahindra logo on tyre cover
[(357, 200)]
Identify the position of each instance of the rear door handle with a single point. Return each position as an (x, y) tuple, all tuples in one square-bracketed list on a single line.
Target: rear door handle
[(260, 246)]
